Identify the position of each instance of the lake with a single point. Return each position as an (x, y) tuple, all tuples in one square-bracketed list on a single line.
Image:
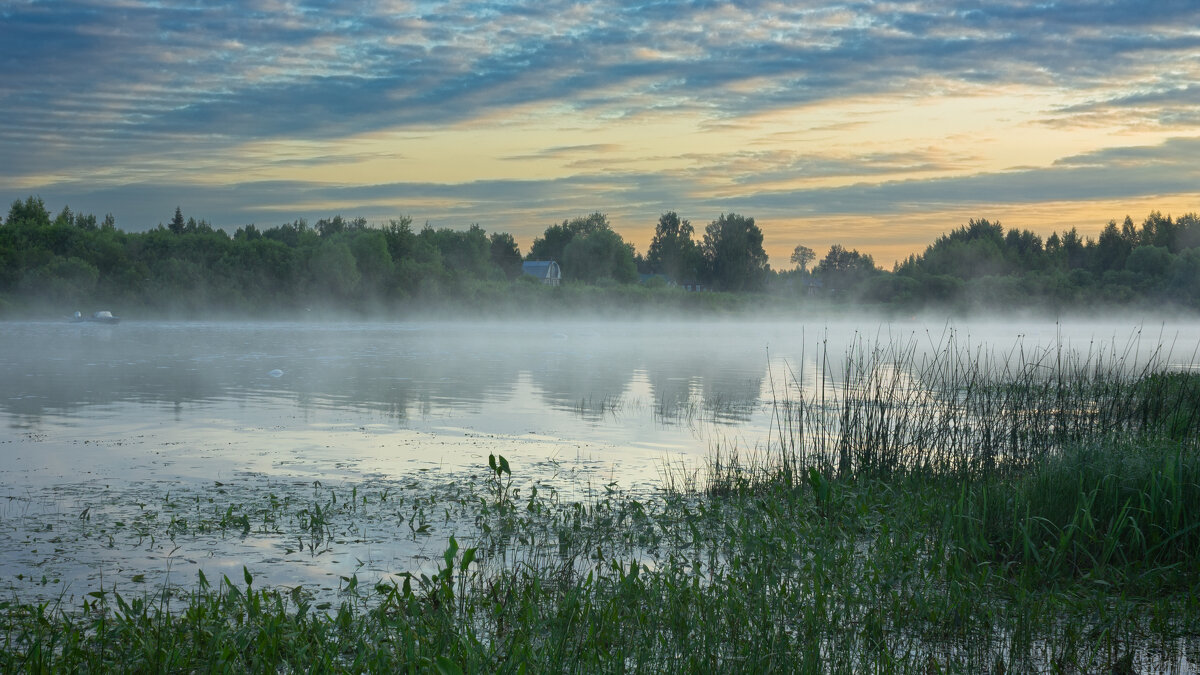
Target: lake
[(109, 431)]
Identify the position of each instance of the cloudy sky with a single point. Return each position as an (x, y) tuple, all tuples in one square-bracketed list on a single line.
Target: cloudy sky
[(878, 125)]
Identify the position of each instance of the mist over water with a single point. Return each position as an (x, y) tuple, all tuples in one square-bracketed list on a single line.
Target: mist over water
[(370, 395), (146, 408)]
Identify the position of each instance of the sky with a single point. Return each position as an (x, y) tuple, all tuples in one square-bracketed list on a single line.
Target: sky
[(873, 124)]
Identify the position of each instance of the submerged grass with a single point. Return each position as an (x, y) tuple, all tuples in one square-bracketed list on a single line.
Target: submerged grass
[(1037, 517)]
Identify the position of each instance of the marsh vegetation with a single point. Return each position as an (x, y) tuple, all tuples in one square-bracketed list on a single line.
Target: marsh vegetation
[(913, 508)]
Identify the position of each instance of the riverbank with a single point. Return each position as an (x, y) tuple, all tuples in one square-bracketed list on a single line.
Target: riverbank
[(1071, 552), (825, 575)]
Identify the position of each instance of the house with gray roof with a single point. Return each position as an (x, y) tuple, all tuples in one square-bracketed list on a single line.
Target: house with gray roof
[(546, 271)]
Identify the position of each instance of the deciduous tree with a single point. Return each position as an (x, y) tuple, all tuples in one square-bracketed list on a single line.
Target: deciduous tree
[(801, 256), (554, 241), (505, 254), (672, 251), (600, 254), (843, 270), (733, 253)]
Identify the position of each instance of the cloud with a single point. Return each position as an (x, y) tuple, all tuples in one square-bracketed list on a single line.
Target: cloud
[(567, 151), (1165, 104), (134, 72), (1111, 173), (107, 105), (526, 207)]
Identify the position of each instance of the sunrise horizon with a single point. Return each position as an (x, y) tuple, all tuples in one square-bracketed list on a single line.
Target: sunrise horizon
[(879, 127)]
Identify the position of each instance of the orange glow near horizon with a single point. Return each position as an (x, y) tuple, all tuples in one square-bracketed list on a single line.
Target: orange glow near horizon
[(945, 131), (812, 118), (892, 238)]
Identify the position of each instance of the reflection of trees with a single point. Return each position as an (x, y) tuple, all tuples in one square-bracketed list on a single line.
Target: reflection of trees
[(688, 375), (580, 371), (689, 378), (50, 368), (400, 375)]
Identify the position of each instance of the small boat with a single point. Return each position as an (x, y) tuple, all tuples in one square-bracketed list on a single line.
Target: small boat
[(104, 316)]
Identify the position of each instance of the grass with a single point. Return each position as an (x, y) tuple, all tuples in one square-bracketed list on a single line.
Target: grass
[(956, 514), (862, 575), (968, 412), (1121, 516), (838, 576)]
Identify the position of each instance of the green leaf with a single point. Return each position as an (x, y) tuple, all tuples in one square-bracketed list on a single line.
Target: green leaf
[(467, 558), (247, 575), (447, 667)]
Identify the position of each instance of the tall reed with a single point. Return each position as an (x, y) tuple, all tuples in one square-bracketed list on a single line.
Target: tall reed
[(884, 409)]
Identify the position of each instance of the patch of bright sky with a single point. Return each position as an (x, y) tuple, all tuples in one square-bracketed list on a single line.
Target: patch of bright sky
[(893, 237), (966, 132), (601, 116)]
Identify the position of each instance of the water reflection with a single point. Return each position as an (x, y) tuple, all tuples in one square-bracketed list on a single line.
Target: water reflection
[(401, 371), (405, 372), (96, 416)]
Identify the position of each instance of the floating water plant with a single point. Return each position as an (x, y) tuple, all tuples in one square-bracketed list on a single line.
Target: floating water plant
[(955, 512)]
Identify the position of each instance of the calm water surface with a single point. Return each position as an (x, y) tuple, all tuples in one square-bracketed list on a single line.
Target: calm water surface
[(96, 422), (344, 401)]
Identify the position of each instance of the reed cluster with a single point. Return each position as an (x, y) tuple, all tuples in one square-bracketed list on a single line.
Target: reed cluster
[(885, 409), (948, 513)]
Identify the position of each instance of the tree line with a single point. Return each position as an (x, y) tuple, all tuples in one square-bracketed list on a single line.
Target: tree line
[(74, 260), (983, 265)]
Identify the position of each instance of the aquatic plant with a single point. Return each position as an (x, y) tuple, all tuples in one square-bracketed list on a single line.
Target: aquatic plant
[(971, 412), (1050, 525)]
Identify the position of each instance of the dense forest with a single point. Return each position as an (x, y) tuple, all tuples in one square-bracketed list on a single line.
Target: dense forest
[(983, 265), (188, 268)]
